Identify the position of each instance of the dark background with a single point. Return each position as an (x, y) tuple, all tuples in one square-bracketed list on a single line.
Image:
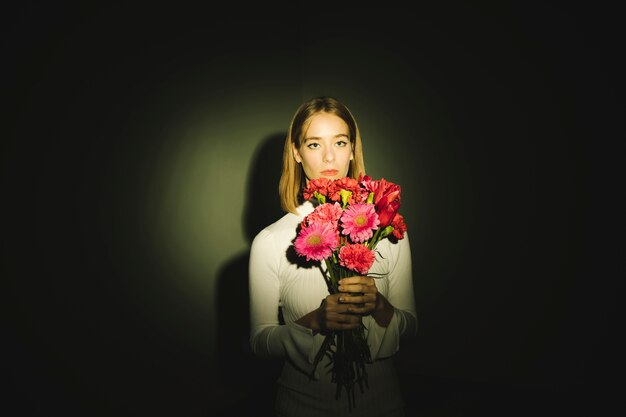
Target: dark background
[(504, 121)]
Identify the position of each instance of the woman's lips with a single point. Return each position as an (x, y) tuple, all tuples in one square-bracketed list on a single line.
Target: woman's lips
[(330, 172)]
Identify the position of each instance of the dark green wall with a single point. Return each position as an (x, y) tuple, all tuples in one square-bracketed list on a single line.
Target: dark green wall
[(140, 152)]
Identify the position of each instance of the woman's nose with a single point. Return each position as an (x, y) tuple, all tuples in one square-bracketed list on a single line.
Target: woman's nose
[(329, 155)]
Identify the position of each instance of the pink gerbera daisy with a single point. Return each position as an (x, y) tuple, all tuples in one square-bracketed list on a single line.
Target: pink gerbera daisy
[(316, 241), (359, 221), (356, 257)]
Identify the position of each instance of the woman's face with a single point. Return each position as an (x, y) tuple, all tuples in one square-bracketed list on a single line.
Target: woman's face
[(325, 149)]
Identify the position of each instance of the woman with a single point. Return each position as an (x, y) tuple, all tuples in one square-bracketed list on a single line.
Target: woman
[(324, 142)]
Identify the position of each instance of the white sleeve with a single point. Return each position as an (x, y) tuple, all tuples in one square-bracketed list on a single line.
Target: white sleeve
[(267, 337), (385, 341)]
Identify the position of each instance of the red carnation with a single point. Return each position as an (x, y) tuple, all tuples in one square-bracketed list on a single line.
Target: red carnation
[(399, 227), (319, 184), (345, 183)]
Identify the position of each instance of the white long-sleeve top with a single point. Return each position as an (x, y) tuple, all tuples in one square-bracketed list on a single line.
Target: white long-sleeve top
[(275, 278)]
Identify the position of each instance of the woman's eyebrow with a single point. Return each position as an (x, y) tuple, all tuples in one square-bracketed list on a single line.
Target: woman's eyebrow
[(339, 135)]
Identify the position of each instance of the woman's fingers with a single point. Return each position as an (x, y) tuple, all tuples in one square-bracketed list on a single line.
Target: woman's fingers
[(357, 299), (335, 304), (357, 284), (337, 316), (343, 318), (359, 293), (338, 321), (352, 305)]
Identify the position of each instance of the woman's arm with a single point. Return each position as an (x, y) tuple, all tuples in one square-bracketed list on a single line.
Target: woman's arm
[(263, 287), (400, 292)]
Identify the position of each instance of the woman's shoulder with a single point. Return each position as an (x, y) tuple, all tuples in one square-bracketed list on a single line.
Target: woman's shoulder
[(286, 226), (394, 248)]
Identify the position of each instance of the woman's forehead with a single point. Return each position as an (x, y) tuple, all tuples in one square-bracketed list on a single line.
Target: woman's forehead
[(326, 124)]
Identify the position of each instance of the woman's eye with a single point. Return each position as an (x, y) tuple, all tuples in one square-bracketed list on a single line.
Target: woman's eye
[(313, 145), (341, 143)]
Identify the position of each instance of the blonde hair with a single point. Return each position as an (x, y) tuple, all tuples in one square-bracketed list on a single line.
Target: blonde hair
[(292, 178)]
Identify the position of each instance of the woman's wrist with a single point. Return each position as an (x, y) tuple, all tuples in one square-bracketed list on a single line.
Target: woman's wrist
[(383, 312), (310, 321)]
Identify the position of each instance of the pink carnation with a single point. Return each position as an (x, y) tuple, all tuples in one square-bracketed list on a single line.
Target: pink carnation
[(359, 221), (316, 241), (356, 257), (326, 213)]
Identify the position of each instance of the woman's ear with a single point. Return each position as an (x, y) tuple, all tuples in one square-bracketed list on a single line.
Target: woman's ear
[(296, 154)]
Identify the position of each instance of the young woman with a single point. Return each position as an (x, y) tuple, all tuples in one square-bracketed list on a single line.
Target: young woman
[(324, 142)]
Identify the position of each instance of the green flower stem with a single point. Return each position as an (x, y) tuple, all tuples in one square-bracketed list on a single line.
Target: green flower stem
[(374, 240), (351, 351)]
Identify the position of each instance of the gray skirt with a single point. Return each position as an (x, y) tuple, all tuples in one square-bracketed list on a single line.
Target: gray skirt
[(298, 396)]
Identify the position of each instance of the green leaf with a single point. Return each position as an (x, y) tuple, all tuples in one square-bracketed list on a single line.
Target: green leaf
[(320, 197)]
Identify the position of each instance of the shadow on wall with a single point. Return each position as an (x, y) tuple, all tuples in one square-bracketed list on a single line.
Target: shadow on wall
[(248, 380)]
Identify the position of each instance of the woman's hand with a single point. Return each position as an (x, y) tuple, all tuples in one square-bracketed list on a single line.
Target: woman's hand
[(329, 316), (333, 314), (361, 296), (357, 297)]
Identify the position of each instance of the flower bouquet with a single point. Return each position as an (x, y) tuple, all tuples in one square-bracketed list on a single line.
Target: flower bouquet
[(350, 218)]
